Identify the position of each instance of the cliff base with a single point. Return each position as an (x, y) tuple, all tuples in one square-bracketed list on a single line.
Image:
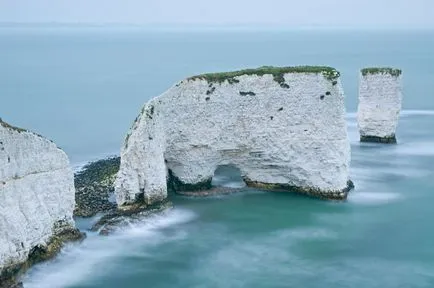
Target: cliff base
[(94, 185), (375, 139), (10, 276), (174, 184), (309, 191), (127, 215)]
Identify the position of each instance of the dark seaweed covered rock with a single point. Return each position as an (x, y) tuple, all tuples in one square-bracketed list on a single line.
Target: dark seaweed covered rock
[(94, 185), (309, 191), (10, 276), (119, 218), (174, 184), (376, 139)]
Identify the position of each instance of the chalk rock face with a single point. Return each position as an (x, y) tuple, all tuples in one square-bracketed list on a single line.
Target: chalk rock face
[(284, 128), (380, 97), (36, 195)]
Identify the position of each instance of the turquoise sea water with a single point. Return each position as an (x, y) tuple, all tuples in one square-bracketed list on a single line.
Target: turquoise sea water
[(82, 88)]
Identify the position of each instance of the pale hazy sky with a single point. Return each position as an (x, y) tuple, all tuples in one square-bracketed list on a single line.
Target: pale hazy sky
[(291, 13)]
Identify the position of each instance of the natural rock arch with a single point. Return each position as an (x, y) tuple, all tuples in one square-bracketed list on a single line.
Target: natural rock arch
[(284, 128), (228, 176)]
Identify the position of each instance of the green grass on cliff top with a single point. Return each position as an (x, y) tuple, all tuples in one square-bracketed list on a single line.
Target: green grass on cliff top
[(277, 72), (19, 130), (9, 126), (381, 70)]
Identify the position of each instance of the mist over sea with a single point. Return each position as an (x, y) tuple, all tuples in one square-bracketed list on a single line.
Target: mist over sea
[(83, 88)]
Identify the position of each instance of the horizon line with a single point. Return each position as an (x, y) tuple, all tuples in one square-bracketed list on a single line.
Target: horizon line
[(178, 26)]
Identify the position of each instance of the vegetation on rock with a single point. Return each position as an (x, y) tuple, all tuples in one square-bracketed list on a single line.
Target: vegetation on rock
[(381, 70), (19, 130), (248, 93), (126, 139), (277, 72), (210, 91), (94, 184), (174, 184), (9, 126), (10, 275)]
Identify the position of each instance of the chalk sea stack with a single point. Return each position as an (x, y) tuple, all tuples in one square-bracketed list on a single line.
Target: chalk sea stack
[(283, 127), (380, 98), (37, 201)]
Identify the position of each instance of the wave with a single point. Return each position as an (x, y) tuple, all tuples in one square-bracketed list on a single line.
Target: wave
[(228, 182), (373, 198), (417, 112), (351, 115), (79, 165), (417, 149), (410, 112), (305, 234), (95, 255), (251, 260)]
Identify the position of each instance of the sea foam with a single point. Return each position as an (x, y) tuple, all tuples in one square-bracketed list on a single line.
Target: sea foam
[(95, 256)]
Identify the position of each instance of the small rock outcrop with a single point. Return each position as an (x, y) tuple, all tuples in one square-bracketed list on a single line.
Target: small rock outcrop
[(94, 186), (284, 128), (36, 201), (118, 219), (380, 97)]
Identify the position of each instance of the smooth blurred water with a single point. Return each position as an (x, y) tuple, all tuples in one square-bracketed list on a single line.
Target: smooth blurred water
[(83, 89), (381, 237)]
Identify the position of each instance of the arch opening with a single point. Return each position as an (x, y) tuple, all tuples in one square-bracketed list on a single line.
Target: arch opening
[(228, 176)]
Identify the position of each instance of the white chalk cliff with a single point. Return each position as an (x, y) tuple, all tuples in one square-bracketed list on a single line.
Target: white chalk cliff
[(380, 97), (284, 128), (36, 194)]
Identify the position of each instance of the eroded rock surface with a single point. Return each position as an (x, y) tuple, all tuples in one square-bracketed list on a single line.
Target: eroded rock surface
[(380, 98), (36, 200), (119, 219), (282, 127)]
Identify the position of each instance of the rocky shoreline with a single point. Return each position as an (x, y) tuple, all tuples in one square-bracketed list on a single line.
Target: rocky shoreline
[(94, 185), (314, 193), (10, 277), (213, 191), (377, 139), (117, 219), (37, 201), (307, 191)]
